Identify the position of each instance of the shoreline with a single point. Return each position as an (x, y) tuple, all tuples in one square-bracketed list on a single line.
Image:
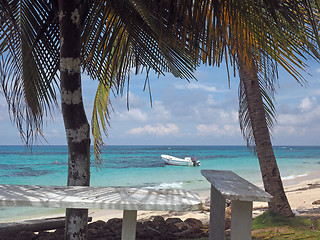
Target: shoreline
[(301, 190)]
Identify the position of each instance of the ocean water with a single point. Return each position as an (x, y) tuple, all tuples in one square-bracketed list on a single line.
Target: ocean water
[(143, 166)]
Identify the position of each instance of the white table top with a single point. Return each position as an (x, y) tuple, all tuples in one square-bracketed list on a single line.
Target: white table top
[(234, 187), (121, 198)]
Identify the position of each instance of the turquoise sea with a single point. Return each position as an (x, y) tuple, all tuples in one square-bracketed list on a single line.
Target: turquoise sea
[(143, 166)]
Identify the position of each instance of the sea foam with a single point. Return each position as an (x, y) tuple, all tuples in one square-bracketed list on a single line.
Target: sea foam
[(173, 185), (294, 176)]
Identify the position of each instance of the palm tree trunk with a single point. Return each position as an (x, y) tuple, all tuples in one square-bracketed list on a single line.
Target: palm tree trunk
[(75, 120), (268, 165)]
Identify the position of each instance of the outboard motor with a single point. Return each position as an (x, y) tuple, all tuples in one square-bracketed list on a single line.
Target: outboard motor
[(195, 162)]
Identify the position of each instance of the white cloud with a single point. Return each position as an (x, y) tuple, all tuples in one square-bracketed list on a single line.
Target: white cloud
[(216, 112), (133, 114), (159, 129), (52, 133), (192, 86), (214, 129), (301, 118), (3, 109), (300, 122), (210, 100), (307, 104), (289, 130), (159, 111)]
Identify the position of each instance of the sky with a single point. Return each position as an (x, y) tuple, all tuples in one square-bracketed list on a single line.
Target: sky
[(203, 112)]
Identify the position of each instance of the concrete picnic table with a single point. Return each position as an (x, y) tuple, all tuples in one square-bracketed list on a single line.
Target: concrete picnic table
[(228, 185), (130, 200)]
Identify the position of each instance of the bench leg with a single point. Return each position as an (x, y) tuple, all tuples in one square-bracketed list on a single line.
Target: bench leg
[(129, 225), (241, 220), (217, 215)]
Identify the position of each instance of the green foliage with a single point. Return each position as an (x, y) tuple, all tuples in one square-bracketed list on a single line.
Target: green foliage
[(270, 219), (274, 226), (267, 92), (100, 117)]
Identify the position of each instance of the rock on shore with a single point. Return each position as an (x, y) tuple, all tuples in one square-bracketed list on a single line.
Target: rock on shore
[(156, 228)]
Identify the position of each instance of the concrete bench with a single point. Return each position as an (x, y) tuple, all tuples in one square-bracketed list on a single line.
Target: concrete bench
[(130, 200), (228, 185)]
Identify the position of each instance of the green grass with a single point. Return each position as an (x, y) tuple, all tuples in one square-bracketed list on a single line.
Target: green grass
[(272, 226), (269, 219), (275, 227)]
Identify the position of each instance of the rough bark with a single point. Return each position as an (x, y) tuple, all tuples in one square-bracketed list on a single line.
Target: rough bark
[(268, 165), (75, 120)]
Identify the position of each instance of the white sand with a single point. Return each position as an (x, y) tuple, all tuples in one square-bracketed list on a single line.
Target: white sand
[(299, 193)]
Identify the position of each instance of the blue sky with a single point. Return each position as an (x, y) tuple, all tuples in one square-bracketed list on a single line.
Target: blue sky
[(195, 113)]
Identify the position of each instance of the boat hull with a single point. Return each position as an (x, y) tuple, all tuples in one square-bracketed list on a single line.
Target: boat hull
[(170, 160)]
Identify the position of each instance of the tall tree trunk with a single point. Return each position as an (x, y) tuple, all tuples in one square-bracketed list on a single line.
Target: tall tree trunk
[(268, 164), (75, 120)]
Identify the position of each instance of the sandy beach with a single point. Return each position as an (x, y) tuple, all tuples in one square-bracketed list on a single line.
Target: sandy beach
[(302, 193)]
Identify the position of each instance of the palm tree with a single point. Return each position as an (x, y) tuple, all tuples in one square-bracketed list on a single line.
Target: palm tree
[(40, 39), (256, 36), (253, 121)]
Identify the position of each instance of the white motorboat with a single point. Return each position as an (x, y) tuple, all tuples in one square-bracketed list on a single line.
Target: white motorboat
[(187, 161)]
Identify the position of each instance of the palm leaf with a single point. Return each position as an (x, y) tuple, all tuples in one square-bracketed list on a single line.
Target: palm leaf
[(29, 52), (100, 117), (118, 39), (267, 92)]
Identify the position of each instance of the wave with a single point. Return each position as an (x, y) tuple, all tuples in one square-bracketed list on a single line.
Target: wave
[(177, 185), (290, 177), (173, 185)]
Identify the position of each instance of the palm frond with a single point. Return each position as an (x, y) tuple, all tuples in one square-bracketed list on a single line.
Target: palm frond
[(30, 55), (251, 30), (118, 37), (110, 20), (267, 92), (100, 117)]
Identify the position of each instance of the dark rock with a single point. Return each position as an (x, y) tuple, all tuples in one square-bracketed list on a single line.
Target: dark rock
[(194, 223), (316, 202), (26, 235), (23, 235), (173, 220), (57, 235), (115, 225), (97, 225), (93, 232), (172, 228), (183, 226), (158, 220), (156, 229), (190, 233)]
